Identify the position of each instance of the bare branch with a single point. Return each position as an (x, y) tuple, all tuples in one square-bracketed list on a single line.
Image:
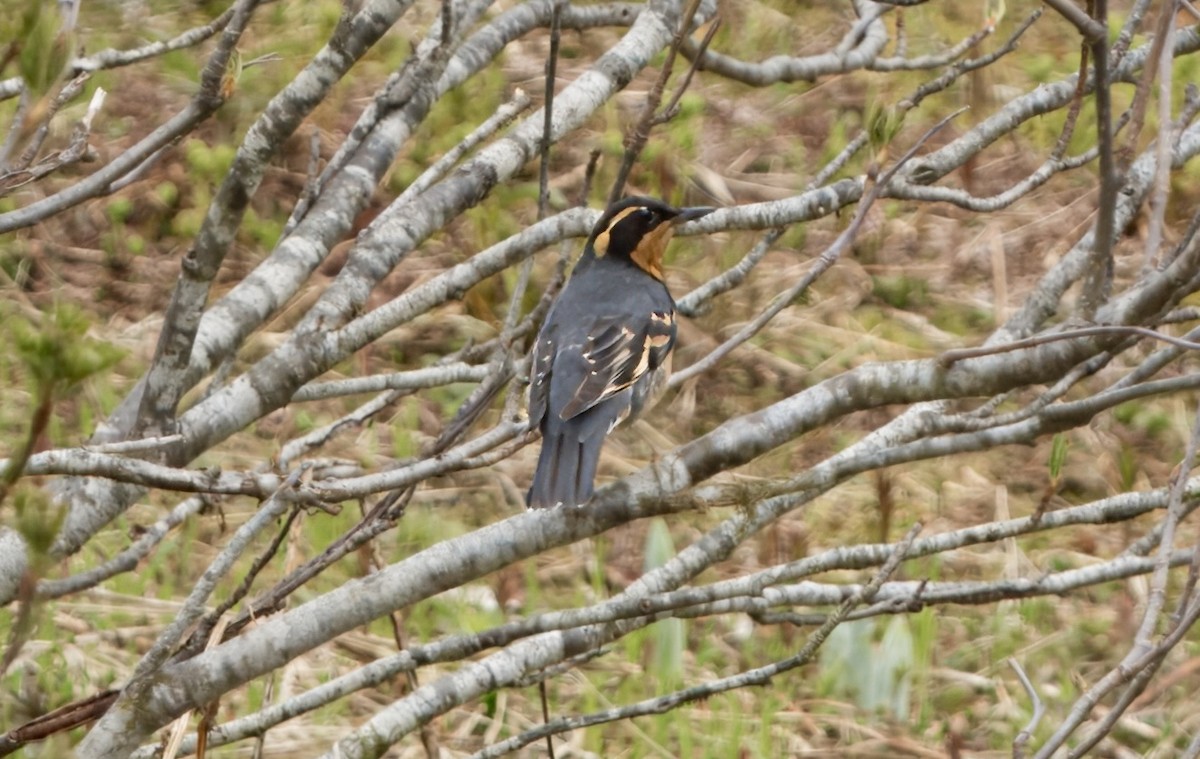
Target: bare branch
[(1039, 709), (498, 120), (1135, 662), (1090, 28), (694, 302), (127, 560), (948, 358), (826, 259), (165, 382), (1158, 588), (101, 181), (193, 607), (434, 376), (1162, 156), (369, 299), (758, 676), (107, 59), (13, 171), (86, 463), (636, 139), (206, 101), (1097, 280), (707, 600)]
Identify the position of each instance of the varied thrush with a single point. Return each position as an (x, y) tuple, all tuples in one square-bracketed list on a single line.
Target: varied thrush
[(600, 354)]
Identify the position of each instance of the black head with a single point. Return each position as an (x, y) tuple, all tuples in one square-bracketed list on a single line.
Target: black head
[(638, 229)]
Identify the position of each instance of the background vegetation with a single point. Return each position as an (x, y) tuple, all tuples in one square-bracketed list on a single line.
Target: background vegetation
[(865, 298)]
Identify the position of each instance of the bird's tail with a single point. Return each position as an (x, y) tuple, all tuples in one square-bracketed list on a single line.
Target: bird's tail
[(566, 470)]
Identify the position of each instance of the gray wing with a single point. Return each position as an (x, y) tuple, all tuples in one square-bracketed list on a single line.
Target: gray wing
[(617, 353)]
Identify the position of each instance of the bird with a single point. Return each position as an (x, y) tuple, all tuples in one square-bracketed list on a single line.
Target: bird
[(602, 351)]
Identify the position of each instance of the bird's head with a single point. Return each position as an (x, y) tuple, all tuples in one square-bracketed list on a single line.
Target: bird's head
[(638, 229)]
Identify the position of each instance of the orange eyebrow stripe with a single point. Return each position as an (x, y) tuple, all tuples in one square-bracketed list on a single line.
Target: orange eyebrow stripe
[(600, 246)]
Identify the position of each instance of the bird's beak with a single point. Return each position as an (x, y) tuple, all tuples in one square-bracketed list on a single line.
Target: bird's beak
[(691, 214)]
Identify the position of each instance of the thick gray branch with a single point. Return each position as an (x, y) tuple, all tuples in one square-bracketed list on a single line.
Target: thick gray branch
[(166, 381)]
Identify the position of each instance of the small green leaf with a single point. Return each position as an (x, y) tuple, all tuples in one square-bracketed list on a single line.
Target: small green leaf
[(58, 351), (38, 519), (46, 48), (1058, 455), (883, 124)]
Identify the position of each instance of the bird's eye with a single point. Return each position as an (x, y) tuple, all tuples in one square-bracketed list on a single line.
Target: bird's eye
[(646, 214)]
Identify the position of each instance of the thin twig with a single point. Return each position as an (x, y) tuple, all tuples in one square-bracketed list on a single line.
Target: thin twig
[(985, 417), (1141, 94), (414, 379), (950, 357), (211, 619), (14, 131), (526, 270), (1158, 587), (69, 92), (694, 303), (1097, 279), (548, 111), (1125, 671), (132, 446), (1022, 739), (193, 606), (1090, 28), (440, 168), (1133, 25), (1134, 689), (637, 137), (1163, 149), (589, 174), (672, 108), (57, 721), (127, 560), (76, 150), (107, 59), (827, 258), (1076, 107), (138, 172)]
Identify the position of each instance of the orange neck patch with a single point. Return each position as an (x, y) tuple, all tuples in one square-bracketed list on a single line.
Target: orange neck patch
[(648, 254)]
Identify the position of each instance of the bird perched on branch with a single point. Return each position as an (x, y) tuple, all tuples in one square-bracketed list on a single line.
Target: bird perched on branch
[(602, 349)]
